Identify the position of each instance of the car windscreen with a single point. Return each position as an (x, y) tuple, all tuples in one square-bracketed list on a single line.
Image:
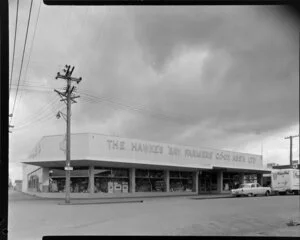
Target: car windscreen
[(245, 186)]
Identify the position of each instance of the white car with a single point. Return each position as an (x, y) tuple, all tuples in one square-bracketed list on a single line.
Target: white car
[(251, 189)]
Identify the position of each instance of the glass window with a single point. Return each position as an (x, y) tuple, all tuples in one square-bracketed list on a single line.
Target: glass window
[(79, 185), (149, 180), (141, 173), (174, 174), (231, 181), (111, 180), (250, 178), (181, 181)]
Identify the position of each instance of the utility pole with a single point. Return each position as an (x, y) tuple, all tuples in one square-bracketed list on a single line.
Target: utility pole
[(291, 147), (67, 97)]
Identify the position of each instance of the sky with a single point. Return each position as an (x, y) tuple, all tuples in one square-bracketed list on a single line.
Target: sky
[(223, 77)]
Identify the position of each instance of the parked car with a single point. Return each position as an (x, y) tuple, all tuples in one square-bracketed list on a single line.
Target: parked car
[(251, 189)]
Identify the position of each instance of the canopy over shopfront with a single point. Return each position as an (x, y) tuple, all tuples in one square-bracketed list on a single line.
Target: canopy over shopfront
[(92, 148)]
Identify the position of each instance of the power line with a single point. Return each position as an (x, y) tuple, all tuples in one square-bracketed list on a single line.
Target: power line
[(141, 108), (30, 51), (30, 87), (22, 58), (41, 119), (15, 37), (40, 111), (35, 117), (117, 105)]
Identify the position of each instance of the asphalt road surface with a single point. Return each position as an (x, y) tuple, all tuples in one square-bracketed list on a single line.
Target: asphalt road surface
[(31, 218)]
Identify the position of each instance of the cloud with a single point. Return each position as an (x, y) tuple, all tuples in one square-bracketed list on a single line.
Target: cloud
[(252, 62)]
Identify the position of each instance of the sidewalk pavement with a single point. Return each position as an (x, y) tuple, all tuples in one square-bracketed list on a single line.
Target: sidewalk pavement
[(115, 199), (139, 199)]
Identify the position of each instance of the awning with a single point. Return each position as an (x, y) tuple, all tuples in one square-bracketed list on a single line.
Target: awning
[(116, 164), (243, 170)]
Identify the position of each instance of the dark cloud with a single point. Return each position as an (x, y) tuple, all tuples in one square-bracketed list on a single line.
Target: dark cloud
[(259, 89)]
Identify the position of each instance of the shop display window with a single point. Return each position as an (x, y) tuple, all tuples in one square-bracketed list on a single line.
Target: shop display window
[(79, 185), (149, 181), (231, 181), (58, 185), (78, 182), (250, 178), (142, 173), (181, 181), (214, 181), (111, 180)]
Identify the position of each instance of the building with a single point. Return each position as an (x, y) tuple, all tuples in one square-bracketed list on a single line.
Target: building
[(18, 185), (108, 165), (271, 165), (295, 166)]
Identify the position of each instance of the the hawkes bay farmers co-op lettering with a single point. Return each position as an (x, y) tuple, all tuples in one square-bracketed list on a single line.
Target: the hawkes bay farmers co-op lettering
[(186, 152)]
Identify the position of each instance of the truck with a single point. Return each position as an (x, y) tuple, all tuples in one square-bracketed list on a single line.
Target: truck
[(285, 181)]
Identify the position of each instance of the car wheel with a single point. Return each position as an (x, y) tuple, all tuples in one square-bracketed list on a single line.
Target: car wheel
[(267, 193), (250, 194)]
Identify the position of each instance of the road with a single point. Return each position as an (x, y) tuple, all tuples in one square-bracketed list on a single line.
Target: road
[(31, 218)]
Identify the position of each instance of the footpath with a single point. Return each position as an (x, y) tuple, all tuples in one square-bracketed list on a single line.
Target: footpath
[(90, 199)]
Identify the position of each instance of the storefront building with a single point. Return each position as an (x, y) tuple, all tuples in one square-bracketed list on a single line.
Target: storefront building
[(109, 165)]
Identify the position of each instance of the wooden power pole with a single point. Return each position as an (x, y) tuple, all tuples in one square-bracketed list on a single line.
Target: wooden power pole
[(67, 97), (291, 147)]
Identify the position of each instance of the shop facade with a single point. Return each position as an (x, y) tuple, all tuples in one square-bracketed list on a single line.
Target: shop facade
[(109, 165)]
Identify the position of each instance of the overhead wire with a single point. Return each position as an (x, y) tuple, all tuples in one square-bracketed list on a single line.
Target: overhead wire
[(44, 108), (39, 121), (15, 38), (30, 51), (87, 97), (114, 100), (28, 23), (26, 87), (45, 111), (49, 106), (143, 109)]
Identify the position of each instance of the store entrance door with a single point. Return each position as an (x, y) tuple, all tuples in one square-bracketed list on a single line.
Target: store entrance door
[(205, 182)]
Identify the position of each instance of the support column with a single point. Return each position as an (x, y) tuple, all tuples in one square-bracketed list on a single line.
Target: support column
[(132, 180), (25, 178), (45, 180), (91, 180), (195, 181), (167, 180), (220, 182)]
